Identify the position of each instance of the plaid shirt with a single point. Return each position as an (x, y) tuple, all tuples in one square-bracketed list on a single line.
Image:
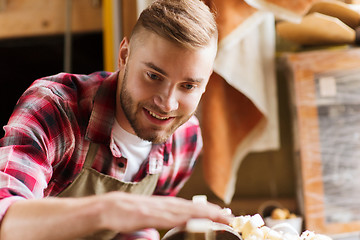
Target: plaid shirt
[(48, 135)]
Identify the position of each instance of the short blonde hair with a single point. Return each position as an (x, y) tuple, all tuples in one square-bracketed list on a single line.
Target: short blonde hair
[(189, 23)]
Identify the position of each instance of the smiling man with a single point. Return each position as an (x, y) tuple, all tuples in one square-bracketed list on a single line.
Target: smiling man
[(161, 84), (84, 155)]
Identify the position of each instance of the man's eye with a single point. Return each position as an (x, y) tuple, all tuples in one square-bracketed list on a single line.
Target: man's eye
[(189, 86), (153, 76)]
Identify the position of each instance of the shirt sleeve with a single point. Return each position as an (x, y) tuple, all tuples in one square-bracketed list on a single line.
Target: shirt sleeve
[(148, 233), (192, 158), (186, 148), (27, 148)]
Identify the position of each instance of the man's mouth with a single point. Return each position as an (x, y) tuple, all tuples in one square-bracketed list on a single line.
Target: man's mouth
[(157, 116)]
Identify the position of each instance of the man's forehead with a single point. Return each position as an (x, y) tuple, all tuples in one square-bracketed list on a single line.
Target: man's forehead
[(142, 36)]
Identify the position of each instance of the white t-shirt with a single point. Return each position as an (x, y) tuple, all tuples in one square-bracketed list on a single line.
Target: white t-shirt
[(133, 148)]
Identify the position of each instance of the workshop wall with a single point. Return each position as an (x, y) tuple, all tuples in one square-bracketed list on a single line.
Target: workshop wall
[(32, 46), (32, 43)]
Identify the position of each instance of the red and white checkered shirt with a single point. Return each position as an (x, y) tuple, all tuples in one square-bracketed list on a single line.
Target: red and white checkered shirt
[(48, 135)]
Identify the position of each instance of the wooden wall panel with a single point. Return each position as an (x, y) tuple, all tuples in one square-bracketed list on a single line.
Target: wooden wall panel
[(21, 18), (129, 16)]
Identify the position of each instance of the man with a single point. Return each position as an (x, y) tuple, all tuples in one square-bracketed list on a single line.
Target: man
[(103, 141)]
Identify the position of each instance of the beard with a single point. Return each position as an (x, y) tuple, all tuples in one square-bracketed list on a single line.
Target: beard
[(134, 114)]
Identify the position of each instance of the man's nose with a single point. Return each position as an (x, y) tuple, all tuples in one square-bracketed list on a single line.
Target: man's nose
[(167, 100)]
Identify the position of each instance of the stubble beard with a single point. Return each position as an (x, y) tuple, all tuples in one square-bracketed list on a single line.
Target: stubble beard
[(131, 111)]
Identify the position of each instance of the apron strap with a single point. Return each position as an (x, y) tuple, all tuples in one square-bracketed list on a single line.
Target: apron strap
[(90, 156)]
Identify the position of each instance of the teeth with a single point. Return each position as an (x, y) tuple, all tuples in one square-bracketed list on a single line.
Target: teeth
[(158, 117)]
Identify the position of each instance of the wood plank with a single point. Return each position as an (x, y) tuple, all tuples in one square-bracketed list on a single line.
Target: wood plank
[(316, 29), (339, 10), (129, 18), (23, 18)]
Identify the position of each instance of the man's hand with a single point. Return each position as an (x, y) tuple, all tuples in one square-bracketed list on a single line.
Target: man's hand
[(127, 212)]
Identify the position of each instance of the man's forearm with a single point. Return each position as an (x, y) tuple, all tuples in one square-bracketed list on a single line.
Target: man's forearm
[(51, 218), (69, 218)]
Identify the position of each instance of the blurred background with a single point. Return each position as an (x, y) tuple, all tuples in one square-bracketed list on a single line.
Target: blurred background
[(256, 153)]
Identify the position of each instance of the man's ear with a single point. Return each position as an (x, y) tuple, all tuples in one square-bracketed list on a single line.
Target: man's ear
[(123, 52)]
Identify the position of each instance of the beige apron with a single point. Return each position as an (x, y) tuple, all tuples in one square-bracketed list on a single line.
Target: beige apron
[(91, 182)]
